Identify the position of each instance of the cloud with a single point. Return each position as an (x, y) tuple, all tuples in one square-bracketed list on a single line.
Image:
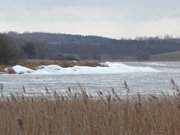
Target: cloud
[(115, 18)]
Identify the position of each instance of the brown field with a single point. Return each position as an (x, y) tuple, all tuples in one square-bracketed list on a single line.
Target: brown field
[(82, 115), (64, 63)]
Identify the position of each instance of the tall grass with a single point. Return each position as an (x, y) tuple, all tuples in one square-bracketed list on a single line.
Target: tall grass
[(81, 114)]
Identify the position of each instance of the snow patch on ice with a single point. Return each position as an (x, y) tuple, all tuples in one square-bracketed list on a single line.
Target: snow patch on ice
[(49, 69), (106, 68), (21, 69), (156, 64)]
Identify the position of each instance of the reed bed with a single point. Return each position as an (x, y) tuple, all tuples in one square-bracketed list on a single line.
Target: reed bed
[(81, 114)]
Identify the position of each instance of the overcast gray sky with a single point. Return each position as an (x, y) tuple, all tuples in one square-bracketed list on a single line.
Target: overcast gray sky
[(112, 18)]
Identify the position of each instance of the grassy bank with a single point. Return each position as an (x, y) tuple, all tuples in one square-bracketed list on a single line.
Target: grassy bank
[(82, 115)]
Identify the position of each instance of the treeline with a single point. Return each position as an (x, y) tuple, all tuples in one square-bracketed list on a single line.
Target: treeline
[(8, 50), (63, 46)]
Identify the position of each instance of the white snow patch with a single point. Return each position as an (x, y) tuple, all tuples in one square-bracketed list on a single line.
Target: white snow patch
[(49, 69), (156, 64), (107, 68), (21, 69)]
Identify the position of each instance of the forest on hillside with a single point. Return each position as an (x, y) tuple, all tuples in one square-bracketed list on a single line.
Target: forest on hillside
[(14, 46)]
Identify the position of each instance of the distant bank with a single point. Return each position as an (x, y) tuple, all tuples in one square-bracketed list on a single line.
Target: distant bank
[(40, 45)]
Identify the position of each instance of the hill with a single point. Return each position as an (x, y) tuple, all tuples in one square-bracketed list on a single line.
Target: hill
[(66, 46)]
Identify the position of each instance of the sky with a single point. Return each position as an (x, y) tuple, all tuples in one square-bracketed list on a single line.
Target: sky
[(110, 18)]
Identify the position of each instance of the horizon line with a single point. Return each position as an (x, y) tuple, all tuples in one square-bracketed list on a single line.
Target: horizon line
[(163, 36)]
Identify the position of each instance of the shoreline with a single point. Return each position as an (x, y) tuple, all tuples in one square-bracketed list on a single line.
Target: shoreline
[(33, 64), (81, 67)]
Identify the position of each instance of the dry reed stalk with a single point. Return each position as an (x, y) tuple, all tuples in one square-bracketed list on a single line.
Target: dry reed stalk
[(87, 116)]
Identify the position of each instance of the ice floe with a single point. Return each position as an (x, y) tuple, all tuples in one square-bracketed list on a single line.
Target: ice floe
[(106, 68), (155, 64), (21, 69)]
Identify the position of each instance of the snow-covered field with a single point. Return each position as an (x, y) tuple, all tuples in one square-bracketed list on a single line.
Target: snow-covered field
[(106, 68)]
